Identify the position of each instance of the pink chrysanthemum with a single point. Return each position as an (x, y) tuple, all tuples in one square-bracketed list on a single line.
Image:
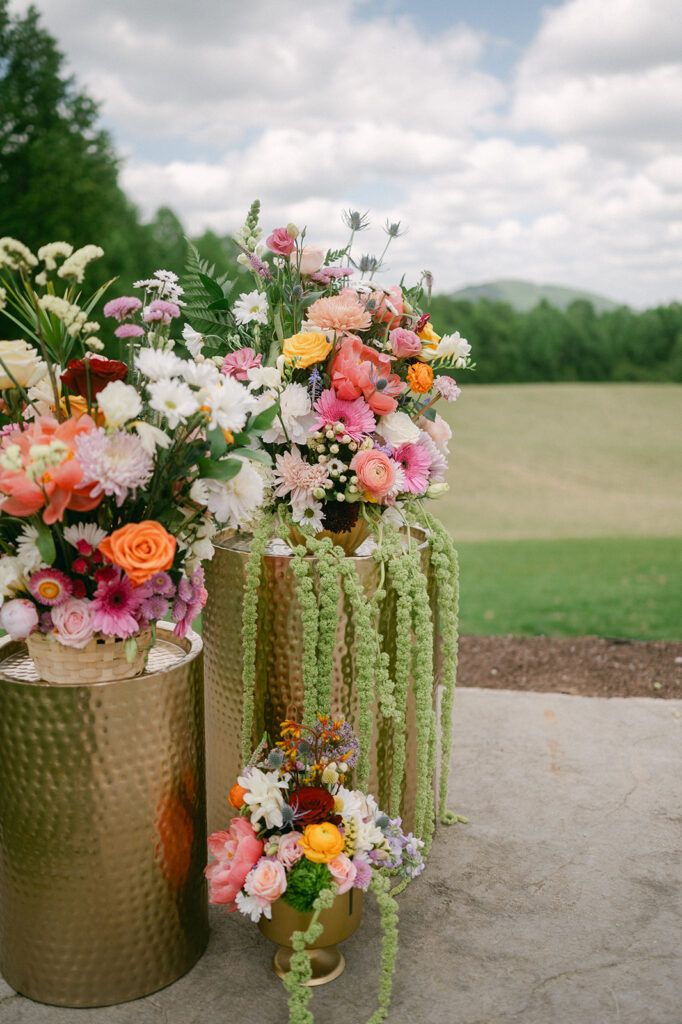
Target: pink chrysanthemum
[(117, 463), (115, 607), (415, 462), (50, 587), (155, 607), (297, 478), (343, 312), (121, 309), (235, 364), (357, 417), (447, 387), (129, 331)]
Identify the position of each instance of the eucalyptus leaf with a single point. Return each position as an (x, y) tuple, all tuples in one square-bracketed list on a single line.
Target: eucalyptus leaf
[(224, 469)]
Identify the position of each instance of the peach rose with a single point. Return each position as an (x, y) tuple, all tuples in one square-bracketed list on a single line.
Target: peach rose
[(438, 430), (307, 348), (343, 871), (420, 378), (267, 881), (140, 549), (375, 472), (311, 259), (73, 622), (322, 843), (289, 850)]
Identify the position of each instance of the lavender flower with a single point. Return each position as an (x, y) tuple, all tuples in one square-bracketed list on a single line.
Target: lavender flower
[(347, 743), (314, 385)]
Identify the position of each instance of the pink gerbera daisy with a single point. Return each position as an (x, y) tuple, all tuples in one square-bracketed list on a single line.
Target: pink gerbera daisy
[(357, 417), (50, 586), (415, 461), (114, 607)]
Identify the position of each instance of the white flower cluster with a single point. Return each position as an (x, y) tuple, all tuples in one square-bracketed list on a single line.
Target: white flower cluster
[(165, 284), (75, 264), (49, 253), (69, 313), (15, 255)]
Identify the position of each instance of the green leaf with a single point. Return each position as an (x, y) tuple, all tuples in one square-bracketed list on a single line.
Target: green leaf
[(217, 442), (254, 454), (45, 543), (131, 650), (212, 287), (264, 419), (224, 469)]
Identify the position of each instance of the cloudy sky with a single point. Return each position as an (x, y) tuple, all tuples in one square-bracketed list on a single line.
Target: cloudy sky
[(514, 138)]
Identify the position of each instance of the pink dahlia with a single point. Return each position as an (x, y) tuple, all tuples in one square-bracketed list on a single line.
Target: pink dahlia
[(235, 364), (415, 461), (115, 606), (50, 586), (343, 312), (297, 478), (357, 417)]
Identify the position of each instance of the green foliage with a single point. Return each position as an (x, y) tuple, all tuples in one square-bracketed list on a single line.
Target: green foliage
[(305, 882), (206, 310)]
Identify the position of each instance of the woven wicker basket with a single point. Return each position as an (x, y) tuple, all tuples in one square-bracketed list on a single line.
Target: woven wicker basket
[(102, 660)]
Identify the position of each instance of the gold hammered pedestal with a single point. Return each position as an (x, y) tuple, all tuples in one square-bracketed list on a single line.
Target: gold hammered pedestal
[(279, 659), (102, 828), (339, 922)]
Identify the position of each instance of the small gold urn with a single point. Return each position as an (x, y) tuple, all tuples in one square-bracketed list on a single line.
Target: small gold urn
[(339, 922)]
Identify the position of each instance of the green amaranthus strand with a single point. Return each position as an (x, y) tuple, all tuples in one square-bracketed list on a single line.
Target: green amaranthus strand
[(422, 679), (399, 573), (299, 970), (254, 564), (365, 648), (330, 592), (307, 600)]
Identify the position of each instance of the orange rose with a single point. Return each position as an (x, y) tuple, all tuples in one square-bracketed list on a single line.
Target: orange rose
[(420, 378), (236, 797), (321, 843), (140, 549)]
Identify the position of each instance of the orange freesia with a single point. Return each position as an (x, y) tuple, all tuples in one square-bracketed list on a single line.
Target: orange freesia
[(140, 549), (58, 487)]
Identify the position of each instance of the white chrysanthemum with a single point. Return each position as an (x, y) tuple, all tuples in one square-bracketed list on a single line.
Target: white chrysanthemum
[(200, 375), (264, 796), (174, 399), (119, 402), (89, 532), (234, 501), (229, 404), (251, 307), (250, 906), (193, 340), (297, 415), (151, 437), (397, 428), (27, 548), (157, 364)]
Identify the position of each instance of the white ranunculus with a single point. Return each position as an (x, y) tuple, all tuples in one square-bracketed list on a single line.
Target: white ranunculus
[(119, 402), (397, 428), (21, 361)]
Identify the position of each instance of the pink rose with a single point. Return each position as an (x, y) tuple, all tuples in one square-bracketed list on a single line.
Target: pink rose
[(404, 343), (237, 851), (311, 259), (72, 622), (280, 241), (19, 617), (288, 851), (438, 430), (375, 472), (235, 364), (343, 871), (267, 881), (395, 298)]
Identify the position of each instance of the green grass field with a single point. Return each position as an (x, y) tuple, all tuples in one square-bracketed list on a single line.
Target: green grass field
[(566, 506)]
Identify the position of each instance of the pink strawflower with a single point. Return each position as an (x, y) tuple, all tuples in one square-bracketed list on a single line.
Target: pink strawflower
[(357, 417), (415, 462), (115, 606), (129, 331), (121, 309), (447, 387), (116, 463), (235, 364), (161, 309), (50, 586), (297, 478)]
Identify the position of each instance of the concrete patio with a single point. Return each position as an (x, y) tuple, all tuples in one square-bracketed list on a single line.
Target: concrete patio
[(558, 903)]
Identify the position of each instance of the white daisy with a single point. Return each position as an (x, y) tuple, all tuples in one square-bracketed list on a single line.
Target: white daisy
[(174, 399), (229, 403), (158, 365), (89, 532), (309, 513), (27, 548), (251, 307)]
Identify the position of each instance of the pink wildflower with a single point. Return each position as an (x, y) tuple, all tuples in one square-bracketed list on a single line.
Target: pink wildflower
[(161, 309), (121, 309), (447, 387), (235, 364), (356, 416), (415, 462)]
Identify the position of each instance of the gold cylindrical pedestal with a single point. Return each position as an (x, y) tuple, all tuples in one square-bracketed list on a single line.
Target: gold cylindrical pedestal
[(102, 828), (339, 922), (279, 665)]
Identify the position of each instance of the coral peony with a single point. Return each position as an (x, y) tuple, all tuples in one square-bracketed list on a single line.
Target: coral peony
[(358, 370), (237, 851)]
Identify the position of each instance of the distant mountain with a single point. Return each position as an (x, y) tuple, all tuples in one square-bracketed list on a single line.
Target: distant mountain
[(525, 295)]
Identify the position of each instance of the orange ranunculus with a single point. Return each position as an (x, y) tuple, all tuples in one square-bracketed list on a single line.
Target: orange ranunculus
[(321, 843), (140, 549), (420, 378), (236, 797)]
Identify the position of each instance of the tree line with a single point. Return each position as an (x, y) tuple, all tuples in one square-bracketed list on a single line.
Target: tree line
[(59, 180)]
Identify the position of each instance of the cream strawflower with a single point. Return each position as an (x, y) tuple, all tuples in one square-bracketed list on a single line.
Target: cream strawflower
[(397, 428), (48, 253), (14, 254), (119, 402), (74, 266), (12, 576), (19, 364)]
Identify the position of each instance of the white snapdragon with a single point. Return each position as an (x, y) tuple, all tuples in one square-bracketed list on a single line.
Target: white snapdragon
[(193, 340), (264, 377)]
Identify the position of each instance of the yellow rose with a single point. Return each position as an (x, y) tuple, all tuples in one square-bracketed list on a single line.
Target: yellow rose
[(22, 362), (307, 348), (321, 843)]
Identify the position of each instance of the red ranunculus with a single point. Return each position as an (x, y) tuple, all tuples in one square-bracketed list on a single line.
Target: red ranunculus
[(311, 805), (101, 372)]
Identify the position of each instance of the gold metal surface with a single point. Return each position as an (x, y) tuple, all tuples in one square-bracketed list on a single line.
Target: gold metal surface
[(279, 656), (102, 828), (339, 922)]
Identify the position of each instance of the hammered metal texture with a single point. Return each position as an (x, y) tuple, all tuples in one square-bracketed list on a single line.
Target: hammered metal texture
[(279, 657), (102, 828)]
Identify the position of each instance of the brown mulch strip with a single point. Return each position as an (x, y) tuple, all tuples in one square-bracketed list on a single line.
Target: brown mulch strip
[(589, 666)]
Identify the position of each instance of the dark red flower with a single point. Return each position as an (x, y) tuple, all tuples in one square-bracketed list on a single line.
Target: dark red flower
[(101, 371), (311, 805)]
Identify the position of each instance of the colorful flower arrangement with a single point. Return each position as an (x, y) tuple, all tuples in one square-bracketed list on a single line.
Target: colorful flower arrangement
[(357, 369), (304, 836), (108, 466)]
